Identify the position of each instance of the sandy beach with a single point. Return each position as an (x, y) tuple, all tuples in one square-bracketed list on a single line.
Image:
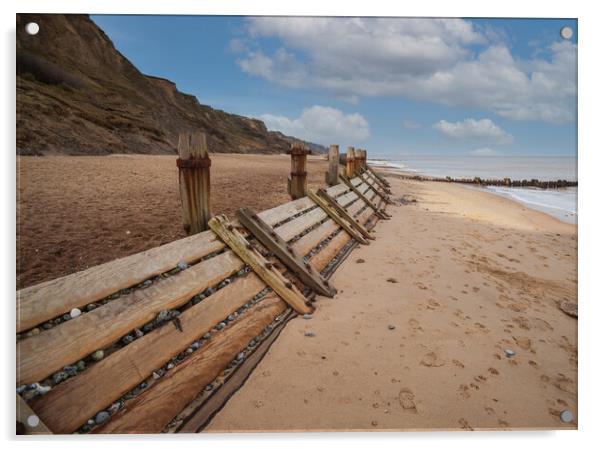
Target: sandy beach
[(415, 338), (77, 212)]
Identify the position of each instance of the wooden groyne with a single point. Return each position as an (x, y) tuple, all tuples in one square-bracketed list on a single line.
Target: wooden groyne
[(506, 182), (158, 341)]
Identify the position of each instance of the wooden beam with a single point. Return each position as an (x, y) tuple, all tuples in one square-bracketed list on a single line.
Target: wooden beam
[(297, 182), (155, 407), (377, 181), (50, 350), (381, 178), (379, 212), (350, 158), (343, 213), (282, 286), (368, 182), (284, 252), (51, 299), (332, 175), (28, 422), (69, 404), (194, 178), (341, 221)]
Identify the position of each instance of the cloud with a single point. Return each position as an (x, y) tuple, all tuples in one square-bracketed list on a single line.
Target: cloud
[(485, 152), (321, 124), (474, 130), (445, 61)]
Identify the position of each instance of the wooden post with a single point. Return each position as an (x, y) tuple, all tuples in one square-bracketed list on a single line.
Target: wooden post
[(195, 187), (365, 160), (297, 181), (350, 162), (332, 175)]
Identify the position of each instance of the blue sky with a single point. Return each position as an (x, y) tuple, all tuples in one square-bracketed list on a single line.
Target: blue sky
[(392, 86)]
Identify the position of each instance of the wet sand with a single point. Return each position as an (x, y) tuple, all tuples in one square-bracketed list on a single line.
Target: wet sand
[(77, 212), (461, 275)]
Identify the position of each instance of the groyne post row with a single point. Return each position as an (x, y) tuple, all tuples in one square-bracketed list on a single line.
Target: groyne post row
[(332, 175), (506, 182), (158, 341), (297, 181)]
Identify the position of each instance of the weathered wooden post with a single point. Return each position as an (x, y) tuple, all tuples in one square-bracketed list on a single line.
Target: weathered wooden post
[(332, 175), (195, 187), (350, 172), (297, 181), (358, 160)]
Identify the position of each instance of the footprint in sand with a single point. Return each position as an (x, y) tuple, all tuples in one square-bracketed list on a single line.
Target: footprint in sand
[(493, 371), (523, 342), (432, 304), (414, 324), (432, 360), (406, 400), (563, 383)]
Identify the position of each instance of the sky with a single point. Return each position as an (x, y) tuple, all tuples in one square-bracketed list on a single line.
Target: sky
[(395, 86)]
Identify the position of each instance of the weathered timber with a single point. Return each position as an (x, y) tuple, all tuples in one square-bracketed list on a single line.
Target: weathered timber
[(155, 407), (43, 354), (28, 422), (202, 414), (381, 213), (284, 252), (297, 182), (285, 211), (69, 404), (341, 220), (343, 213), (332, 175), (378, 181), (51, 299), (372, 187), (195, 185), (377, 175), (350, 169), (285, 289)]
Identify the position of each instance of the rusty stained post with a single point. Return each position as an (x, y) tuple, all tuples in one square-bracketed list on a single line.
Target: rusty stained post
[(350, 171), (332, 175), (365, 160), (297, 181), (195, 187)]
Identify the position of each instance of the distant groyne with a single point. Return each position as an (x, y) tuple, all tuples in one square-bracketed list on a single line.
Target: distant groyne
[(506, 182)]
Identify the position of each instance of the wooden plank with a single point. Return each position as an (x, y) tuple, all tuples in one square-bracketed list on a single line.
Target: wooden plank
[(379, 177), (295, 227), (28, 422), (337, 190), (370, 204), (154, 408), (43, 354), (285, 289), (377, 181), (50, 299), (198, 418), (343, 213), (284, 252), (372, 185), (68, 405), (286, 210), (341, 221)]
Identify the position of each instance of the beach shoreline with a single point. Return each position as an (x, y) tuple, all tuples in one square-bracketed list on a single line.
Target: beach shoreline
[(415, 339)]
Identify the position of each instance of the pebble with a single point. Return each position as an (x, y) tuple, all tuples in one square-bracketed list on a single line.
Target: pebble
[(310, 334), (75, 312), (221, 325), (509, 353), (66, 317), (195, 345), (90, 307), (114, 407), (71, 370), (566, 416), (231, 317), (127, 339), (207, 336), (189, 351), (98, 355), (360, 261), (34, 331), (170, 365), (391, 327), (90, 422), (101, 417), (163, 315), (240, 356), (307, 316), (209, 387), (59, 376), (47, 326), (81, 365), (147, 283), (182, 265), (392, 280), (138, 333), (148, 327)]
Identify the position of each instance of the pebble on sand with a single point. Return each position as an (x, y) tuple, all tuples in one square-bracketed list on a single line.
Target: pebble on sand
[(310, 334), (566, 416), (75, 312), (101, 417), (509, 353), (391, 327), (307, 316), (98, 355), (360, 261), (392, 281)]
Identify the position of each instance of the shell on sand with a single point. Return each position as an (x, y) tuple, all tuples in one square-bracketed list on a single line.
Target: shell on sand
[(570, 308)]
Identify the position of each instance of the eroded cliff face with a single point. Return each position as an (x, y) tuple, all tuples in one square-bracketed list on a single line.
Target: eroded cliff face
[(76, 94)]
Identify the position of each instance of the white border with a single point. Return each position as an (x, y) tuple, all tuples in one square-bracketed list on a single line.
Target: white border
[(589, 211)]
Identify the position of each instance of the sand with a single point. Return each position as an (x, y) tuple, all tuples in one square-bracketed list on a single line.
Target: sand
[(77, 212), (462, 275)]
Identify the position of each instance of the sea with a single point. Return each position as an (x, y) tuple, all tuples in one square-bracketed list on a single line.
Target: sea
[(560, 203)]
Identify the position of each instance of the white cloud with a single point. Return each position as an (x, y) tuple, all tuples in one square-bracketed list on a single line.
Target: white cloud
[(485, 152), (446, 61), (321, 124), (483, 130)]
